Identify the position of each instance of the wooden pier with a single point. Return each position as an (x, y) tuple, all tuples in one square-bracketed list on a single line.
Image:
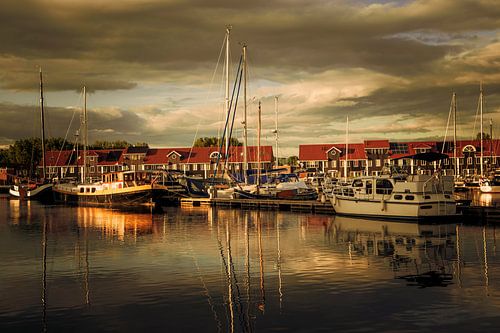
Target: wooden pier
[(480, 214), (310, 206), (471, 214)]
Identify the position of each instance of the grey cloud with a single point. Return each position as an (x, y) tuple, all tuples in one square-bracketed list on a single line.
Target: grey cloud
[(187, 35)]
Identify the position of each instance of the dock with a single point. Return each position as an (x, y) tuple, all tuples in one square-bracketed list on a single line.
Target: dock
[(310, 206), (471, 214)]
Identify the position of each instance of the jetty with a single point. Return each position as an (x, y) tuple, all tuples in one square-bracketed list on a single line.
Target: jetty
[(310, 206), (471, 214)]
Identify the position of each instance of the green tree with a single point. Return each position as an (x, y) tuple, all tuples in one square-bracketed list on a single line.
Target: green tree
[(486, 136), (25, 154), (292, 160), (103, 144), (214, 142)]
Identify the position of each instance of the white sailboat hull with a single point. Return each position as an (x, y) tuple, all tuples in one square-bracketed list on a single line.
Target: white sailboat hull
[(392, 209)]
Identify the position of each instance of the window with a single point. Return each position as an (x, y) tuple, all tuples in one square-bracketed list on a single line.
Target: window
[(369, 187), (342, 163), (383, 186), (370, 163), (469, 160), (334, 163), (355, 163), (409, 197), (378, 162), (398, 197), (357, 183), (195, 167)]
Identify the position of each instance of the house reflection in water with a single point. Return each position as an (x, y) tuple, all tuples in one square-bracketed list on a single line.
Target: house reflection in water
[(115, 223)]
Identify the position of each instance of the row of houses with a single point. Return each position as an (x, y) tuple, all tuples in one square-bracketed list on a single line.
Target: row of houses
[(200, 161), (367, 158), (372, 156)]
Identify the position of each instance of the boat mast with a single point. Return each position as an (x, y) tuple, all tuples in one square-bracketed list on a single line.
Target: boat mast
[(481, 120), (277, 163), (457, 166), (42, 118), (226, 98), (245, 132), (491, 144), (258, 145), (85, 135), (346, 148)]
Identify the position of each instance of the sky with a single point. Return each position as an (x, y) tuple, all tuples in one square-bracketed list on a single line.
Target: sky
[(153, 74)]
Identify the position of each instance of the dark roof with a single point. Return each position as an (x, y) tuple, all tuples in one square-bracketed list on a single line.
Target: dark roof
[(137, 150)]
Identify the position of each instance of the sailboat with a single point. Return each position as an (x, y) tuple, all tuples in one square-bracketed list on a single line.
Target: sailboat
[(122, 188), (492, 184), (37, 189)]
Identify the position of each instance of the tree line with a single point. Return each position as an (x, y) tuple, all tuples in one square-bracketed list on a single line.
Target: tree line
[(25, 154)]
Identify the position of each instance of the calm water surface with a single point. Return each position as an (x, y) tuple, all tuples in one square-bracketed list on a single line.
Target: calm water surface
[(213, 270)]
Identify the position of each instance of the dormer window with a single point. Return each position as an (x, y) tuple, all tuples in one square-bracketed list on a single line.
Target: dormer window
[(215, 155)]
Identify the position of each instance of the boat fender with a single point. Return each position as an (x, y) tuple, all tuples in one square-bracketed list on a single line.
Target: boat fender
[(383, 202)]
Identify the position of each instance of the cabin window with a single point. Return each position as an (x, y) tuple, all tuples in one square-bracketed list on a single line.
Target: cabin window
[(426, 207), (469, 160), (369, 187), (370, 163), (447, 196), (357, 183), (93, 189), (409, 197), (398, 197), (334, 163), (378, 162), (383, 186), (82, 190), (427, 196)]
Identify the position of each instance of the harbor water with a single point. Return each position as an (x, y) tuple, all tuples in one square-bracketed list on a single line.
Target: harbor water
[(204, 269)]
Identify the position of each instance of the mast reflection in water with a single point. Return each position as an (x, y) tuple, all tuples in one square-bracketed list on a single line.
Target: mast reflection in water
[(203, 269)]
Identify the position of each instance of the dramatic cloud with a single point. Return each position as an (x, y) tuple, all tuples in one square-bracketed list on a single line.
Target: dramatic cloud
[(390, 65)]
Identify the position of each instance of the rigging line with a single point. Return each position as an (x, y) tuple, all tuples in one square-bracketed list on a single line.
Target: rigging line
[(226, 124), (207, 94), (235, 105), (475, 118), (66, 136), (447, 125)]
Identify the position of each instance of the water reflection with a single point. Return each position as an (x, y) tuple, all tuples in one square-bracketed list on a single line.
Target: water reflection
[(237, 271)]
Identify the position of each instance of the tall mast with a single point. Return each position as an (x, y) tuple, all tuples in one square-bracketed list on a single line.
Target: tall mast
[(457, 166), (346, 148), (258, 145), (85, 135), (276, 129), (245, 132), (491, 143), (226, 98), (42, 118), (481, 120)]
